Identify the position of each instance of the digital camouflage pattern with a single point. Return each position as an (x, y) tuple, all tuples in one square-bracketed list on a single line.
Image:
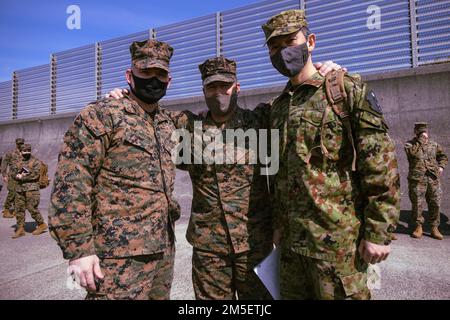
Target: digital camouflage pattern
[(146, 277), (286, 22), (151, 54), (231, 208), (227, 277), (218, 69), (425, 159), (112, 192), (27, 195), (321, 206)]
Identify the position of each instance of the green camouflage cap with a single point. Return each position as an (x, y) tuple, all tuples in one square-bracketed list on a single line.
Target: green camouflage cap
[(151, 54), (420, 127), (20, 141), (286, 22), (26, 148), (218, 69)]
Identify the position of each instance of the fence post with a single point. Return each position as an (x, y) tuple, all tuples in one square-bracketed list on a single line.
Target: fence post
[(302, 4), (98, 70), (15, 95), (413, 25), (52, 84), (218, 34)]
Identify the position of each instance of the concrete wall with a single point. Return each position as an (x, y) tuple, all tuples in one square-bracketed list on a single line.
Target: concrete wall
[(407, 96)]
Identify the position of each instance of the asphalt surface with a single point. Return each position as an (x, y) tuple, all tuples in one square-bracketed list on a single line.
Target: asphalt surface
[(32, 267)]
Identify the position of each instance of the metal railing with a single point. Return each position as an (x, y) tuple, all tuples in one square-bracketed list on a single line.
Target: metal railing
[(409, 33)]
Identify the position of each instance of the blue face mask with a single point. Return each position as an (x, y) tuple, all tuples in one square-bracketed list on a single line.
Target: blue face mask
[(289, 61)]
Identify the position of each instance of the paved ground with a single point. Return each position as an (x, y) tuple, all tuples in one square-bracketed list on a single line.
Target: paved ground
[(32, 267)]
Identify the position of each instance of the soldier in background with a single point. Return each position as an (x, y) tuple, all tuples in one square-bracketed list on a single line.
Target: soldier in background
[(9, 158), (26, 172), (337, 197), (112, 211), (427, 161)]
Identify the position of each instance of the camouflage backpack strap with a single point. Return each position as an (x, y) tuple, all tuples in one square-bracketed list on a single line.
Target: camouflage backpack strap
[(337, 98)]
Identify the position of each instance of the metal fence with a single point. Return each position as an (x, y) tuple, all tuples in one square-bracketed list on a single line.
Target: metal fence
[(365, 36)]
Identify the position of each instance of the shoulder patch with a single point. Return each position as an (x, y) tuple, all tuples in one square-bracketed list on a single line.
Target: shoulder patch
[(371, 98)]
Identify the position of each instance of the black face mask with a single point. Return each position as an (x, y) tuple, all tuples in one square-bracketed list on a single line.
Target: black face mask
[(149, 90), (26, 156), (289, 61), (222, 104)]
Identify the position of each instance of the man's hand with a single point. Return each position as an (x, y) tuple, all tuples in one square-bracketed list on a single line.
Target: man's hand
[(325, 67), (5, 179), (373, 253), (116, 93), (441, 170), (88, 269), (19, 176)]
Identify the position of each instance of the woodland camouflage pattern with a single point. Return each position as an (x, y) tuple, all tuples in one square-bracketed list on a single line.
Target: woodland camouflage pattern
[(112, 194), (147, 277), (322, 208), (425, 159), (231, 214)]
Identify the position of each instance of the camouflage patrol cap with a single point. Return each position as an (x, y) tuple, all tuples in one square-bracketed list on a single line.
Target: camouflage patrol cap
[(420, 127), (20, 141), (151, 54), (218, 69), (286, 22), (26, 148)]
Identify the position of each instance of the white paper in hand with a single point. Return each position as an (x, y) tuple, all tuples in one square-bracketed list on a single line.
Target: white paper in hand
[(269, 273)]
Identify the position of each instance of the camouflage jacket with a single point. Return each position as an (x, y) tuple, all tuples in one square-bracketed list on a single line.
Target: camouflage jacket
[(112, 194), (30, 180), (322, 207), (424, 158), (231, 208)]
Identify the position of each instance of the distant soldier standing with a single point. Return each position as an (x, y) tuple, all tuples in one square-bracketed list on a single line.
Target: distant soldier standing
[(26, 172), (427, 161), (9, 158), (112, 211)]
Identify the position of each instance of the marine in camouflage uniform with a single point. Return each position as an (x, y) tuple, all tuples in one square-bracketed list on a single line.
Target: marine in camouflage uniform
[(426, 160), (26, 171), (322, 206), (112, 195), (230, 226), (9, 158)]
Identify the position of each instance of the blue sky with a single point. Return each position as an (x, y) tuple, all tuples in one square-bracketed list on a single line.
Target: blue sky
[(31, 30)]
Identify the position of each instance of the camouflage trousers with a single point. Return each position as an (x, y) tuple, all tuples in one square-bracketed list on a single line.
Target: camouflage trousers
[(145, 277), (305, 278), (226, 277), (27, 200), (429, 190)]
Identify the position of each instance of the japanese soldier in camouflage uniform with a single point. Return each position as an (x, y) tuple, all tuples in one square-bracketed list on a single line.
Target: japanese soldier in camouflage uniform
[(427, 161), (26, 171), (9, 158), (112, 211), (337, 190), (230, 226)]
